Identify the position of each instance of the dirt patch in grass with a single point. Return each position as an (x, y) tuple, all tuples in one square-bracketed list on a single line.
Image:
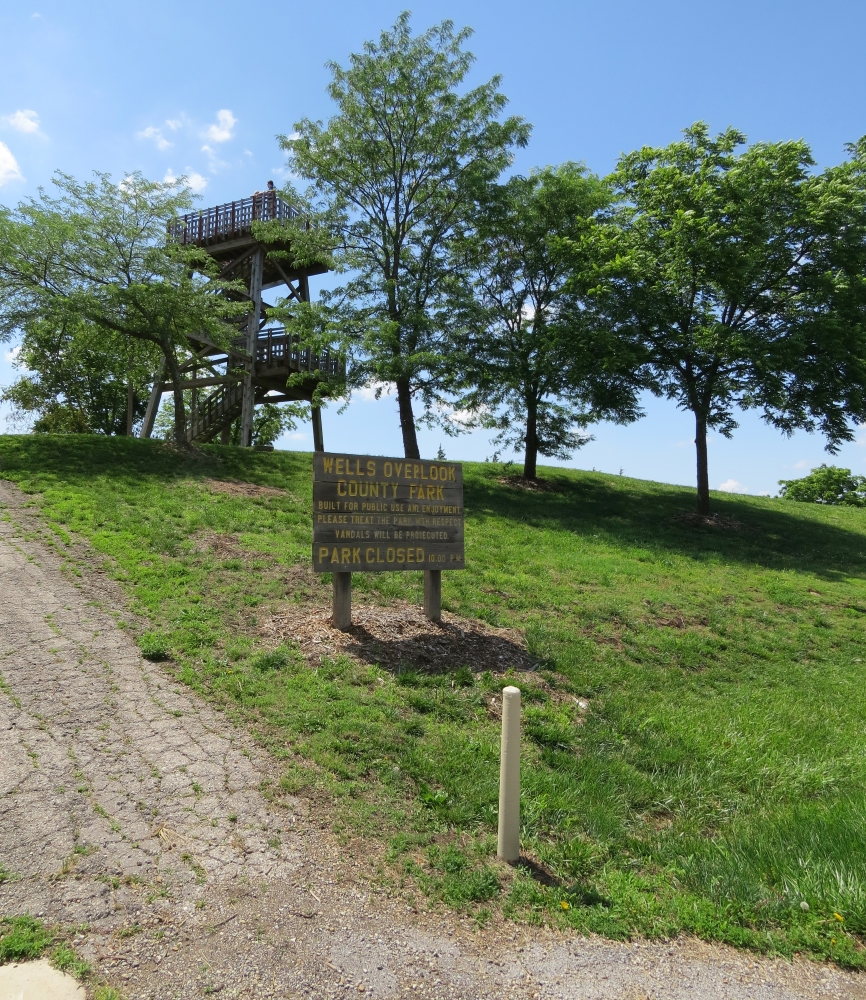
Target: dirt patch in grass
[(303, 585), (222, 546), (670, 617), (399, 636), (240, 489), (715, 521), (532, 485)]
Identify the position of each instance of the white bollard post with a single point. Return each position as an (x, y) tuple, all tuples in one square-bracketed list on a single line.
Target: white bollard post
[(508, 847)]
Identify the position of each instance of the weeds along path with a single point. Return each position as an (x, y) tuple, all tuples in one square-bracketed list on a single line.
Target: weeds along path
[(131, 808)]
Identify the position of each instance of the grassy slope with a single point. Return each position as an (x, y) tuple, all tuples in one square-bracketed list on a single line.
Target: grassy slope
[(715, 783)]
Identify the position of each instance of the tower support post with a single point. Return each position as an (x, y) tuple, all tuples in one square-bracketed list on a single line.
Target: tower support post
[(152, 404), (257, 261)]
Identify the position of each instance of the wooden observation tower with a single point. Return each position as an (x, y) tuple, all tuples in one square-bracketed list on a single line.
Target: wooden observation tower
[(257, 365)]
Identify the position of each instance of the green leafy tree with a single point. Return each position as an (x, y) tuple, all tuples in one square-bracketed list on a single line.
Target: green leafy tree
[(98, 254), (827, 484), (394, 176), (270, 420), (78, 378), (537, 366), (736, 278)]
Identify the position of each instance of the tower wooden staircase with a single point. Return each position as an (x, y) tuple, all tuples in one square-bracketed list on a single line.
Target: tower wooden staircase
[(263, 364)]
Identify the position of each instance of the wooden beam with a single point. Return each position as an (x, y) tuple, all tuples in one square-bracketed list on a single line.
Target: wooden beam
[(201, 383), (293, 292), (233, 349), (232, 264)]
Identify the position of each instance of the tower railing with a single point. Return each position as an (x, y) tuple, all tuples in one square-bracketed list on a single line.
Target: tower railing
[(232, 219), (277, 349)]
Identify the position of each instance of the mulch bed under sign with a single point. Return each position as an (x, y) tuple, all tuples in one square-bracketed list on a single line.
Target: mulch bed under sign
[(399, 636)]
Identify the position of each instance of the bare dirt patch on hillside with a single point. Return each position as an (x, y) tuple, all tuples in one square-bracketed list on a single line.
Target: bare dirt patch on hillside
[(236, 488)]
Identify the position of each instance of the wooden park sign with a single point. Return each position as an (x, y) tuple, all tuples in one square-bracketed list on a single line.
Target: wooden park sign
[(374, 514)]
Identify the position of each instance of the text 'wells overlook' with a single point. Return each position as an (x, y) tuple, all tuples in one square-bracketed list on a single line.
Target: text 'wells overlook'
[(378, 514)]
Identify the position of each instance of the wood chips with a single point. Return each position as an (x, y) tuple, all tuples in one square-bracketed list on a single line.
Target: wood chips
[(400, 637)]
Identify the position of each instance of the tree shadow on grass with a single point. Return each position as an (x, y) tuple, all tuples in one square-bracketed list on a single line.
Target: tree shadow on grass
[(775, 535), (771, 534)]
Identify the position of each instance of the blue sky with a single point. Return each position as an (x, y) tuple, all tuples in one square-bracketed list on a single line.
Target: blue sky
[(204, 88)]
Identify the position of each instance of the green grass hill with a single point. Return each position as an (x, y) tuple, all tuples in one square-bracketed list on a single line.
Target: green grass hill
[(694, 755)]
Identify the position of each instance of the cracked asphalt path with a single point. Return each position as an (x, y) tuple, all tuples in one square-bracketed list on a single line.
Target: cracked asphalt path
[(130, 807)]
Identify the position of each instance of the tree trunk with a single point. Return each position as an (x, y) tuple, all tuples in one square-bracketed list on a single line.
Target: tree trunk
[(407, 420), (179, 412), (130, 408), (530, 458), (318, 437), (703, 467)]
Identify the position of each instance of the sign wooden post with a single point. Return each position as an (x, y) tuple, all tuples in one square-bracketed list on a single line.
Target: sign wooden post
[(342, 601), (375, 515), (433, 594)]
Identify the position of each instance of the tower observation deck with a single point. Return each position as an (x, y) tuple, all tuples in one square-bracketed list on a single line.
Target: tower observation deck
[(258, 363)]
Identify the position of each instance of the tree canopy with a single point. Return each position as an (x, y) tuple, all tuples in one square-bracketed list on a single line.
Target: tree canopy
[(536, 366), (395, 174), (78, 378), (736, 277), (827, 484), (97, 255)]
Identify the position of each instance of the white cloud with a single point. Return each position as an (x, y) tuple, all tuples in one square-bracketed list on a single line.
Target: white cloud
[(732, 486), (223, 129), (195, 181), (11, 356), (802, 464), (25, 120), (284, 173), (9, 170), (368, 393), (684, 444), (462, 417), (174, 123), (154, 133)]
